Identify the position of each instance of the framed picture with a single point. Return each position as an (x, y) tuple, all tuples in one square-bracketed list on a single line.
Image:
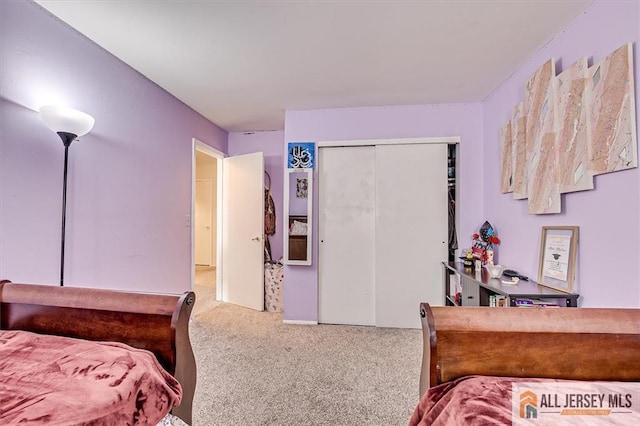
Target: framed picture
[(300, 155), (302, 187), (558, 251)]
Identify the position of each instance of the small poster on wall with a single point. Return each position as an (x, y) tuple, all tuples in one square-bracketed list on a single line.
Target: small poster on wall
[(556, 257), (302, 188), (301, 155), (558, 248)]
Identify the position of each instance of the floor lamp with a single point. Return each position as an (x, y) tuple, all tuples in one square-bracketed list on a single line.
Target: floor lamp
[(69, 124)]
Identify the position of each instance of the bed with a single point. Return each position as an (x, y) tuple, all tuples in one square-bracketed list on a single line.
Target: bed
[(144, 337), (485, 365)]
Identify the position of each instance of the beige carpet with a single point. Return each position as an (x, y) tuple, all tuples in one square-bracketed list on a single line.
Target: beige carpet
[(255, 370), (205, 289)]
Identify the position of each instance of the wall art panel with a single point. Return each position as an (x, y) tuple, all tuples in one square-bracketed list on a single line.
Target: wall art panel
[(574, 137), (506, 184), (542, 180), (612, 113), (519, 152)]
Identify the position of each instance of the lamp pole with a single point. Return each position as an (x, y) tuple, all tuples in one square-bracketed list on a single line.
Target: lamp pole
[(68, 123), (67, 138)]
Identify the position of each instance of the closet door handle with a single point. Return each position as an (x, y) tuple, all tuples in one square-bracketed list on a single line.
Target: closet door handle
[(255, 239)]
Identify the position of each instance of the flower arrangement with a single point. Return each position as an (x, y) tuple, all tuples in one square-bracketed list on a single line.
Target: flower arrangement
[(486, 237), (484, 240), (487, 241)]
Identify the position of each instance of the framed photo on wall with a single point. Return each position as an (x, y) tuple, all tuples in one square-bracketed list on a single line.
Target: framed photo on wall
[(302, 188), (558, 252), (301, 155)]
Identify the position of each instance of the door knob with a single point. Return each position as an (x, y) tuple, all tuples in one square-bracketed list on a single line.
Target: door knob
[(255, 239)]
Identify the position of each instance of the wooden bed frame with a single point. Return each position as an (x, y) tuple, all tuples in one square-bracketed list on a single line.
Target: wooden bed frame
[(158, 323), (562, 343)]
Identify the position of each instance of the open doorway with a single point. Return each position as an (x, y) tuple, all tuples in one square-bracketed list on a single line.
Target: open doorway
[(206, 229), (239, 215)]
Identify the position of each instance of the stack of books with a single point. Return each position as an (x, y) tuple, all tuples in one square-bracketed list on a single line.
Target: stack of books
[(534, 303), (499, 301)]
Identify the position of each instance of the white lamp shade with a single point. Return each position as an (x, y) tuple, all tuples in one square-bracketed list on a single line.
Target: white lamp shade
[(69, 120)]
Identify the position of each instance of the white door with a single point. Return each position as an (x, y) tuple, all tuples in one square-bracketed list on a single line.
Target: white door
[(411, 231), (204, 219), (346, 235), (243, 229)]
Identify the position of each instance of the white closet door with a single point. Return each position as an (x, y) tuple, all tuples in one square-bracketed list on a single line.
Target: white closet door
[(411, 231), (346, 235)]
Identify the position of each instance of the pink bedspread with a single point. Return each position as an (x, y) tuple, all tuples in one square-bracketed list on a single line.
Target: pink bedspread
[(488, 400), (56, 380), (476, 400)]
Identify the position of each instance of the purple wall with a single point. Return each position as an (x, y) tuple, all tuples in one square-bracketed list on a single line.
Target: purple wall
[(608, 274), (130, 178), (129, 196), (463, 120), (271, 144)]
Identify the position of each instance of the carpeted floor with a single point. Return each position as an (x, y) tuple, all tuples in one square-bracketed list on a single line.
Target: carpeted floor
[(205, 289), (255, 370)]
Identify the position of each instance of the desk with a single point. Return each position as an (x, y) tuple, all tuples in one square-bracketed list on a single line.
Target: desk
[(478, 287)]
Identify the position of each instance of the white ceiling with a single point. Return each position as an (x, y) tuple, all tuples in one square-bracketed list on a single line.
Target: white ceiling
[(241, 64)]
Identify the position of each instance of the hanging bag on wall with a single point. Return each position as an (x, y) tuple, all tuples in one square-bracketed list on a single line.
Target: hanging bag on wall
[(269, 219), (269, 213), (269, 209)]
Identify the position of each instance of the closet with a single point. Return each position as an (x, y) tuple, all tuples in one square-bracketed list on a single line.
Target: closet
[(383, 231), (452, 150)]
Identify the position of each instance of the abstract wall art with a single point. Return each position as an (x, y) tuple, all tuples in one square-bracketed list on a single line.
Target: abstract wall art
[(574, 137), (519, 152), (569, 128), (612, 113), (539, 106), (506, 159)]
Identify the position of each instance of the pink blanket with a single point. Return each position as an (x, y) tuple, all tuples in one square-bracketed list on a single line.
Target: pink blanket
[(62, 381), (470, 400), (487, 400)]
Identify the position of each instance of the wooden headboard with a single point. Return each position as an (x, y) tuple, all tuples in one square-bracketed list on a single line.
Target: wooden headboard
[(155, 322), (563, 343)]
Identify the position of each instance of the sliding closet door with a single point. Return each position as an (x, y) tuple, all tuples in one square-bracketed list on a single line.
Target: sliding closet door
[(346, 235), (411, 231)]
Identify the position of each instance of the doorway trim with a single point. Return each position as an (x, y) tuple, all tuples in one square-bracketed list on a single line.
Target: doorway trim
[(448, 140), (219, 155), (391, 141)]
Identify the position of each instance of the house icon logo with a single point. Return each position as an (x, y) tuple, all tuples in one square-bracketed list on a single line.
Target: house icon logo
[(528, 405)]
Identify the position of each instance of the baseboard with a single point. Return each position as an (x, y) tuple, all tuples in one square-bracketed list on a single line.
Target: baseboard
[(300, 322)]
